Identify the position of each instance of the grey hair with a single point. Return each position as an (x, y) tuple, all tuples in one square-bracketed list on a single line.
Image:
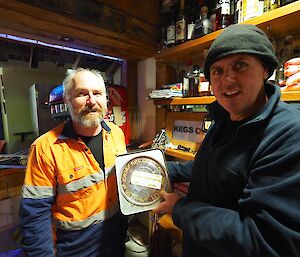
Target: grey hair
[(68, 82)]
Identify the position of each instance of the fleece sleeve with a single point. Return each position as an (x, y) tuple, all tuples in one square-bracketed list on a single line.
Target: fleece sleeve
[(179, 171)]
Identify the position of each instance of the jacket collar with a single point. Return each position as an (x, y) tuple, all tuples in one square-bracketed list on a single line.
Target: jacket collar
[(68, 131)]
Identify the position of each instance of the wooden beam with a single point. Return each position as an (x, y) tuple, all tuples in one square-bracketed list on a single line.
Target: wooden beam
[(93, 26)]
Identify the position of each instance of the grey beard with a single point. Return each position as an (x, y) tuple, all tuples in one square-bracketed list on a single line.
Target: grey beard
[(90, 122)]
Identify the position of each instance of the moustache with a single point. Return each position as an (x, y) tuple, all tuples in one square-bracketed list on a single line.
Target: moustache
[(88, 109)]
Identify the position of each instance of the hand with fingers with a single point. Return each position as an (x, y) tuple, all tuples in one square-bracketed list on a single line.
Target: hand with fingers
[(170, 199)]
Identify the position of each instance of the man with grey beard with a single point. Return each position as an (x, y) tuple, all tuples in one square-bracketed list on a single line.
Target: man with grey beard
[(69, 204)]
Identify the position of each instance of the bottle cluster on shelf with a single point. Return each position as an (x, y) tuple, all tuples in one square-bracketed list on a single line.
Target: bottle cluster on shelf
[(194, 82), (191, 19), (59, 107)]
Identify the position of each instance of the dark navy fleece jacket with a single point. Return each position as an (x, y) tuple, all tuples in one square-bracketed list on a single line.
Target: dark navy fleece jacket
[(244, 195)]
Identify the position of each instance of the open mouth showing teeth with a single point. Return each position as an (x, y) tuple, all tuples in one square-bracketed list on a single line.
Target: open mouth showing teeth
[(231, 93)]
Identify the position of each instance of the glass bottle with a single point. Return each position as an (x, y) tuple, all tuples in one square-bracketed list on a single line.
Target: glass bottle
[(207, 26), (181, 24), (196, 71), (190, 29), (266, 5), (225, 18), (215, 17), (238, 12), (171, 32), (198, 29), (203, 25), (186, 87), (285, 2), (163, 40), (285, 54), (274, 4)]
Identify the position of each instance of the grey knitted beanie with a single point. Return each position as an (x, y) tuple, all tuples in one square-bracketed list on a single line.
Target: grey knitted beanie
[(242, 38)]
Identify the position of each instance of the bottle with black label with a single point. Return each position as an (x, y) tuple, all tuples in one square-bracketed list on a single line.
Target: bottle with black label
[(171, 32), (203, 24), (225, 18), (198, 29), (181, 24)]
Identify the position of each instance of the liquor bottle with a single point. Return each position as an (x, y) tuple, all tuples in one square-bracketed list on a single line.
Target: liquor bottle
[(190, 28), (196, 72), (163, 39), (181, 24), (198, 29), (204, 86), (215, 15), (285, 2), (187, 80), (274, 4), (203, 25), (207, 26), (266, 5), (250, 9), (261, 4), (285, 54), (238, 12), (225, 18), (171, 32)]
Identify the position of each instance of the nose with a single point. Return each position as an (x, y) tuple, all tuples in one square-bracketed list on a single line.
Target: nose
[(91, 99), (229, 75)]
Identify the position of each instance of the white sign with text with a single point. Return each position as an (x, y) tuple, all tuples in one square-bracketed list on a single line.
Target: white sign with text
[(187, 130)]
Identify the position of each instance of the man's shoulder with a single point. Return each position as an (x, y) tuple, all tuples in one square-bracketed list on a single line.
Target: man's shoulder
[(114, 128), (50, 137)]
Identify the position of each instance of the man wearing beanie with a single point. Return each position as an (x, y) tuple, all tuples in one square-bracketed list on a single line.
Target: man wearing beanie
[(244, 194)]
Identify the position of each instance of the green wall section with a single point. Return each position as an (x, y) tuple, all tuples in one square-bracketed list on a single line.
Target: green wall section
[(16, 82)]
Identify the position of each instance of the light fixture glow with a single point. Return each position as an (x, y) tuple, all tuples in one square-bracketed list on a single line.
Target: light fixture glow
[(71, 49)]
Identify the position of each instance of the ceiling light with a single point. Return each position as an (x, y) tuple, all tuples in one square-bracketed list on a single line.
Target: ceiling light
[(65, 39), (71, 49)]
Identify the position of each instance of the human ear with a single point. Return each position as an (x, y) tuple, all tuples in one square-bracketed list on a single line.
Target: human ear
[(266, 74)]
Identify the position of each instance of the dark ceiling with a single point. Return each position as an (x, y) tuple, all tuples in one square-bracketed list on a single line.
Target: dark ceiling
[(10, 50)]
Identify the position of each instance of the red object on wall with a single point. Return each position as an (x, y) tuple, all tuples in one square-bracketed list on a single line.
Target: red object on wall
[(119, 115)]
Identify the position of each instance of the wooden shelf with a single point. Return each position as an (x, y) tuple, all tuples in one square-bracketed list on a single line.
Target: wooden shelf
[(185, 101), (277, 24), (292, 96), (180, 154)]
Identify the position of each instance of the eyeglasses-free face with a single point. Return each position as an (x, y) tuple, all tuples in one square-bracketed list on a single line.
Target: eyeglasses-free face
[(238, 84)]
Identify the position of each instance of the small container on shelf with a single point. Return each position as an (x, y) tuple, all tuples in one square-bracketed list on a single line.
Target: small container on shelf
[(58, 108)]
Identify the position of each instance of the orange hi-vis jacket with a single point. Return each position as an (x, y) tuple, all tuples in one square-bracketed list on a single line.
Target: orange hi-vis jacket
[(65, 188)]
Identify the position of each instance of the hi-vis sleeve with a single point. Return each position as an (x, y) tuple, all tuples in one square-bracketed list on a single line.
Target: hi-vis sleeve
[(35, 210)]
